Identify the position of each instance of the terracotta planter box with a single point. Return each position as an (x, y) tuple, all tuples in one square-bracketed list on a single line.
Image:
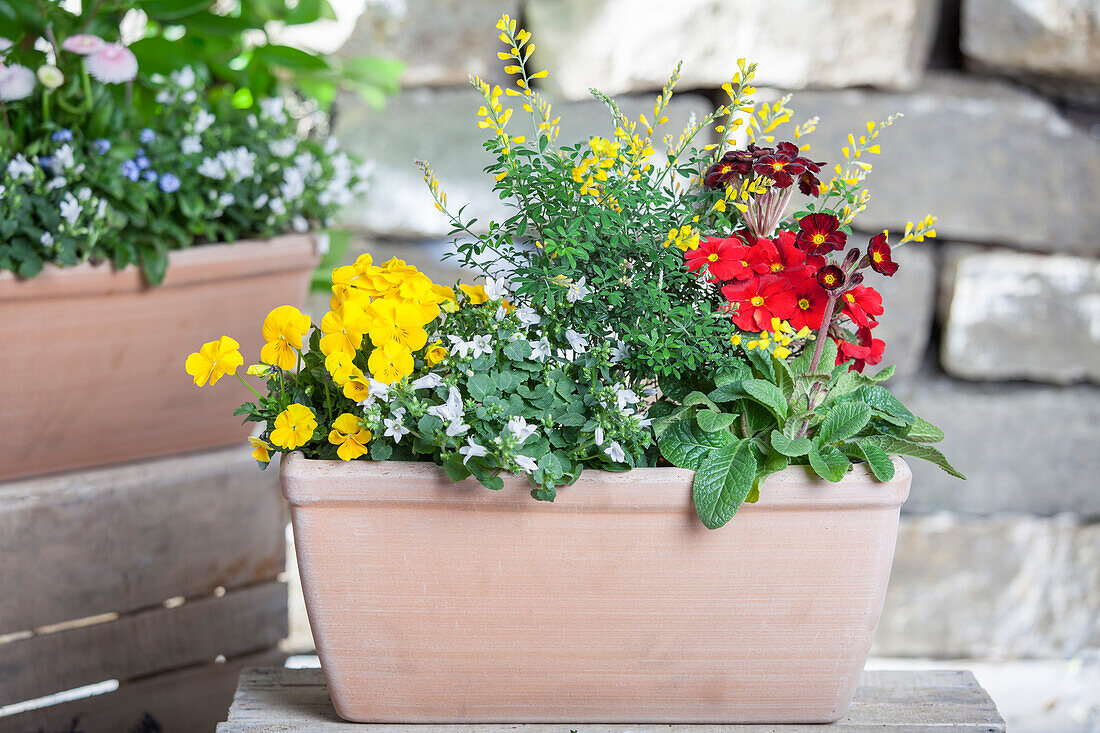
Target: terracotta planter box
[(440, 602), (91, 359)]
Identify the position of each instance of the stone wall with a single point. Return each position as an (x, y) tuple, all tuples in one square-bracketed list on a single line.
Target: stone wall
[(995, 326)]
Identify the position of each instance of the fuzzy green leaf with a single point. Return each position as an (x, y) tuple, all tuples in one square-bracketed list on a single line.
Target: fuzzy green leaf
[(828, 462), (790, 447), (924, 432), (723, 482), (843, 421), (768, 395), (880, 464), (898, 447), (686, 445), (710, 420)]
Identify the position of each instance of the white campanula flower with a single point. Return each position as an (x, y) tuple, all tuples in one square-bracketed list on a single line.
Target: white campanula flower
[(331, 144), (300, 224), (293, 185), (165, 96), (190, 96), (540, 350), (183, 78), (3, 189), (70, 209), (527, 463), (457, 428), (481, 345), (619, 352), (277, 207), (46, 239), (599, 436), (577, 342), (431, 380), (63, 160), (450, 411), (212, 168), (497, 289), (644, 422), (273, 108), (16, 82), (190, 145), (83, 194), (577, 291), (527, 316), (261, 201), (471, 450), (459, 346), (203, 120), (395, 427), (226, 199), (625, 397), (518, 427), (283, 148), (19, 167), (615, 452), (55, 183), (308, 164)]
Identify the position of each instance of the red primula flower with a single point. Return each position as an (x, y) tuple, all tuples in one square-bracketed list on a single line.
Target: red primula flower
[(723, 258), (862, 304), (734, 163), (759, 300), (810, 302), (869, 350), (878, 253), (781, 257), (830, 277), (779, 167), (820, 234)]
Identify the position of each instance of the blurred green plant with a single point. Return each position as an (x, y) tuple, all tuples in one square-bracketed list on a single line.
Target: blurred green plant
[(227, 41)]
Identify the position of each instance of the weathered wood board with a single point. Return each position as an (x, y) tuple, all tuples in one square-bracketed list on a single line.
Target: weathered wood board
[(290, 700)]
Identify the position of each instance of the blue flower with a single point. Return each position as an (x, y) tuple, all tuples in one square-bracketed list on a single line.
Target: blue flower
[(130, 170), (147, 136), (62, 136), (150, 175), (101, 145), (141, 161), (46, 161), (169, 183)]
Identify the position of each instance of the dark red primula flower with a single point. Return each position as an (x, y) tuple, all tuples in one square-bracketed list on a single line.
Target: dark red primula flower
[(810, 301), (734, 163), (869, 350), (723, 258), (820, 234), (878, 254), (830, 277), (779, 167), (862, 304), (759, 300)]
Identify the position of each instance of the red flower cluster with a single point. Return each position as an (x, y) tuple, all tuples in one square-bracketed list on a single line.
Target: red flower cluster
[(789, 278), (782, 164)]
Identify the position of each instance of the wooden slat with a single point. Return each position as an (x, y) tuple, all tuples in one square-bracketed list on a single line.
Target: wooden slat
[(144, 643), (190, 700), (129, 537), (290, 700)]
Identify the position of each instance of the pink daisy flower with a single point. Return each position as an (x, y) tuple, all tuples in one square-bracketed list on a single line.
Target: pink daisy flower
[(16, 82), (113, 64), (83, 44)]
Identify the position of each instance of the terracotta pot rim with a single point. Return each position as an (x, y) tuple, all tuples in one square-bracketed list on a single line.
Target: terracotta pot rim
[(309, 482), (200, 263)]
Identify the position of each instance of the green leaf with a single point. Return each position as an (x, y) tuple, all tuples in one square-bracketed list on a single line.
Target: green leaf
[(686, 445), (784, 378), (518, 350), (924, 432), (710, 420), (828, 462), (843, 421), (722, 483), (291, 58), (768, 395), (876, 458), (883, 374), (698, 398), (899, 447), (880, 399), (792, 448), (481, 386), (454, 468)]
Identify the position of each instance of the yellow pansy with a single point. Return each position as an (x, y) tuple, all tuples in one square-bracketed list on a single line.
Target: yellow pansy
[(435, 353), (283, 330), (343, 329), (390, 363), (357, 389), (261, 451), (476, 293), (258, 370), (214, 360), (348, 433), (294, 427), (341, 367), (394, 320)]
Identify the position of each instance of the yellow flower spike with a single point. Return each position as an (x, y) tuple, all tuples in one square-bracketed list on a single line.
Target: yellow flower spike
[(781, 352), (435, 353), (349, 434), (343, 329), (390, 363), (214, 360), (294, 427), (735, 339), (261, 451), (283, 330)]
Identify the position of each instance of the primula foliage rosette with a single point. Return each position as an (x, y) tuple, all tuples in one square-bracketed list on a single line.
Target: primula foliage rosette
[(638, 308)]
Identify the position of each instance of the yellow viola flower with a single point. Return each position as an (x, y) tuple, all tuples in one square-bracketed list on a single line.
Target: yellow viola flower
[(258, 370), (341, 367), (357, 389), (261, 451), (294, 427), (214, 360), (394, 320), (283, 330), (476, 293), (435, 353), (390, 363), (343, 329), (348, 433)]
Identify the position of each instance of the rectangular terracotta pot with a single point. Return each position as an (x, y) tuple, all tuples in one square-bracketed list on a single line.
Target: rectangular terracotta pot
[(92, 358), (439, 602)]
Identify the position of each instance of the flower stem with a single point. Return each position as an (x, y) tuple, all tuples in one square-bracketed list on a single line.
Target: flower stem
[(250, 387), (87, 80)]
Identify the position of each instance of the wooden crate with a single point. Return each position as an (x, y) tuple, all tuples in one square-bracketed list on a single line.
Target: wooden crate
[(163, 577)]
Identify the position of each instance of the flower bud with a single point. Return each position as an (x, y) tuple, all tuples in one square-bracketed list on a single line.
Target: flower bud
[(50, 76)]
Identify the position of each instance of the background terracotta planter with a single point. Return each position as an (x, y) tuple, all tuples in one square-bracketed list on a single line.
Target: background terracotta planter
[(440, 602), (91, 359)]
